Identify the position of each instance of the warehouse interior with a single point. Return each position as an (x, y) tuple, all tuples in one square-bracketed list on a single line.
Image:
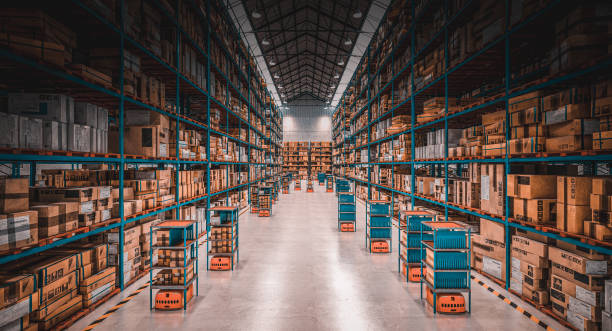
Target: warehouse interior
[(327, 165)]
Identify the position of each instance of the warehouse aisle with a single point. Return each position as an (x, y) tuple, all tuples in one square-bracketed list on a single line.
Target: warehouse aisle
[(296, 272)]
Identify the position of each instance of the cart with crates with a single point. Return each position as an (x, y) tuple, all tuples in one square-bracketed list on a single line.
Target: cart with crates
[(265, 197), (285, 184), (329, 183), (447, 266), (342, 185), (298, 184), (176, 267), (347, 212), (378, 226), (254, 196), (409, 243), (222, 245), (321, 178), (309, 187)]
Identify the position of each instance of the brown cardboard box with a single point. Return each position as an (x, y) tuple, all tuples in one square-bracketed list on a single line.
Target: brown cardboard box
[(143, 140), (602, 232), (49, 308), (558, 303), (68, 216), (574, 190), (15, 287), (530, 245), (98, 280), (571, 218), (14, 194), (487, 247), (589, 282), (570, 288), (578, 263), (536, 295), (599, 202), (579, 250), (532, 186), (48, 220), (54, 267), (538, 211), (492, 188), (602, 140), (602, 186), (575, 127), (23, 227), (530, 258), (569, 143), (529, 269), (53, 291), (580, 322), (492, 230), (62, 313)]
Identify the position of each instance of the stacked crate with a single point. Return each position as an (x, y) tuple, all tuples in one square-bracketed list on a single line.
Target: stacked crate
[(347, 212), (378, 226), (409, 243)]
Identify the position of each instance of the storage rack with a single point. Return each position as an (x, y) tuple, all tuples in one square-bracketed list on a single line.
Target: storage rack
[(409, 241), (347, 212), (228, 221), (447, 260), (185, 92), (317, 158), (449, 84), (378, 224), (265, 200), (182, 237)]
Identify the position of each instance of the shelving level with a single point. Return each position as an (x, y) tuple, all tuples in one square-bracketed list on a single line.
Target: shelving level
[(192, 86), (446, 265), (409, 243), (347, 212), (176, 249), (223, 251), (378, 226), (307, 158), (445, 115)]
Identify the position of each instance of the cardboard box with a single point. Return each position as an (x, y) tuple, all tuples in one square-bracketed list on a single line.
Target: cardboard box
[(599, 202), (53, 267), (571, 218), (530, 258), (578, 263), (49, 308), (569, 144), (22, 227), (15, 287), (574, 190), (536, 295), (90, 284), (49, 107), (531, 246), (62, 313), (580, 322), (55, 290), (9, 131), (14, 194), (565, 113), (602, 186), (538, 211), (576, 127), (602, 140), (608, 295), (589, 282), (570, 288), (21, 308), (532, 186), (529, 269), (48, 220)]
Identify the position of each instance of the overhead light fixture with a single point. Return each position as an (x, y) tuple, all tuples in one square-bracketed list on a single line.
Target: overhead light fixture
[(282, 95), (280, 87), (348, 42), (265, 42), (356, 14), (329, 95), (272, 62), (257, 14), (336, 76), (341, 63), (276, 76)]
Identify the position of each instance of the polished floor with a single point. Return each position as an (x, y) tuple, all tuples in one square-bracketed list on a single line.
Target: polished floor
[(297, 272)]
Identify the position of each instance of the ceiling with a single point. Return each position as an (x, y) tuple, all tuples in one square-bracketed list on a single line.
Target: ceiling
[(305, 43)]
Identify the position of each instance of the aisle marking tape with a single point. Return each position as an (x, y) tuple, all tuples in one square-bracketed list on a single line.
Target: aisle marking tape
[(514, 305), (116, 307)]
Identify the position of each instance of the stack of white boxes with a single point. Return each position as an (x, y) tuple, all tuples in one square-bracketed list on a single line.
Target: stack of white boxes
[(53, 122), (435, 144)]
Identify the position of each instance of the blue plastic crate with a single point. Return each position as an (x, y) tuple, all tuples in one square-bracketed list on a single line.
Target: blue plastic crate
[(414, 240), (451, 280), (380, 221), (447, 239), (380, 233), (414, 255), (347, 216), (346, 208), (346, 198), (414, 222), (449, 260), (379, 209)]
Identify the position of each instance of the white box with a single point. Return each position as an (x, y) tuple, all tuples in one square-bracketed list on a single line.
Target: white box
[(86, 114), (51, 107), (63, 131), (79, 138), (608, 296), (51, 136), (93, 140), (30, 133), (102, 119), (9, 130)]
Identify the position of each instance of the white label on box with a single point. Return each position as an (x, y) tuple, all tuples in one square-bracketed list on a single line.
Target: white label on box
[(596, 267), (112, 237), (579, 307), (492, 267), (585, 295), (576, 320), (86, 207), (516, 263), (484, 187), (14, 229), (105, 192), (100, 292), (516, 285), (163, 150), (105, 214), (112, 248)]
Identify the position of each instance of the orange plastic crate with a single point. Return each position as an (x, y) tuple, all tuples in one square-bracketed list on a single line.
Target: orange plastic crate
[(264, 213), (414, 273), (447, 303), (347, 227), (379, 246), (172, 299), (221, 263)]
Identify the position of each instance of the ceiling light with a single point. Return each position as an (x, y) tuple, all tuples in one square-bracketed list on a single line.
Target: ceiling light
[(348, 42), (257, 14), (265, 42), (332, 86), (276, 76), (356, 14), (341, 63), (280, 87), (272, 62), (282, 95), (336, 76)]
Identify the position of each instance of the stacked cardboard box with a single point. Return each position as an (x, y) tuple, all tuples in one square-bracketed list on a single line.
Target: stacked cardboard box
[(19, 296), (132, 258), (530, 273), (94, 203), (527, 135), (577, 285), (492, 185), (606, 314), (534, 198), (20, 223), (494, 131), (566, 116), (598, 226), (573, 203), (489, 249)]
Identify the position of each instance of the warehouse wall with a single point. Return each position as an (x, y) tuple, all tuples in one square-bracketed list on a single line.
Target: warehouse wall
[(306, 119)]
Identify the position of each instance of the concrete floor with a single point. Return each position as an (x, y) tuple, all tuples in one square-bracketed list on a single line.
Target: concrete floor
[(297, 272)]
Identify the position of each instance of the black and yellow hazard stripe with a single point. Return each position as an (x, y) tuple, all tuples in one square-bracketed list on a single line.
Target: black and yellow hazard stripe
[(116, 307), (514, 305)]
